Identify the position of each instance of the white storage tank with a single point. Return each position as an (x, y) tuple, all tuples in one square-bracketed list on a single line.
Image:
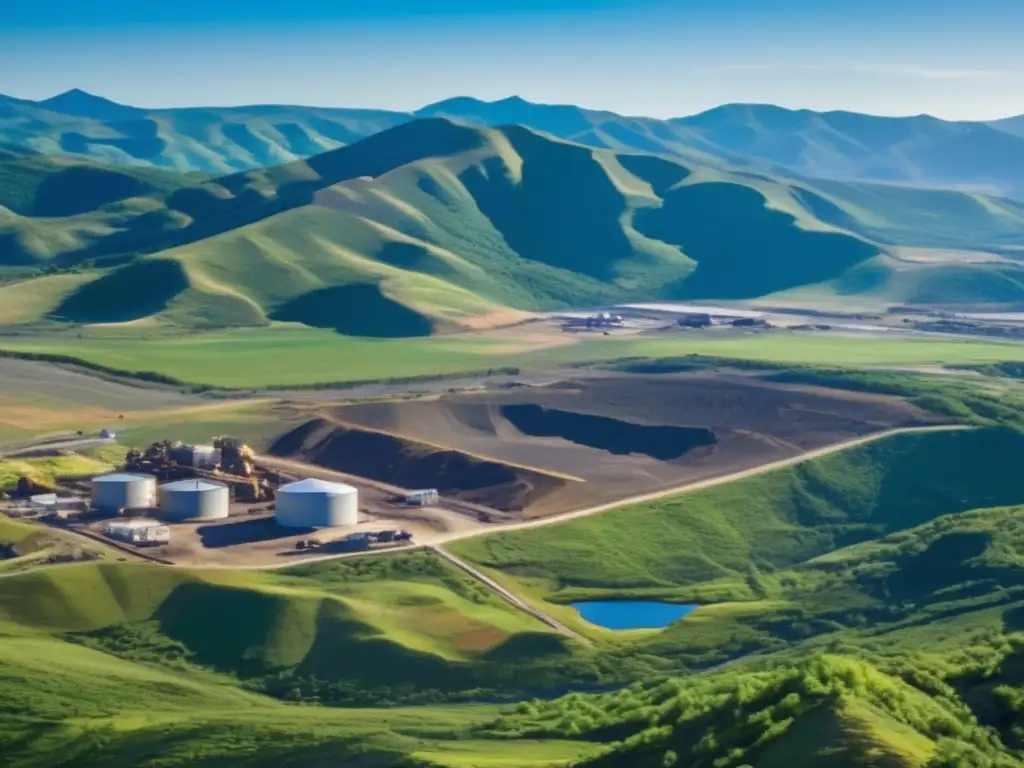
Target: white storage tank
[(111, 493), (194, 499), (316, 504)]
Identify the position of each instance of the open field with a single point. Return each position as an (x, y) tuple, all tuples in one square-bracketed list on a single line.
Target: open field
[(289, 356), (593, 440)]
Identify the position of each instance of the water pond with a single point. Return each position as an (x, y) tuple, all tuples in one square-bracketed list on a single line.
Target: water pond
[(632, 614)]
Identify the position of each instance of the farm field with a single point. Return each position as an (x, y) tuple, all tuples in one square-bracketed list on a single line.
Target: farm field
[(588, 441), (289, 356)]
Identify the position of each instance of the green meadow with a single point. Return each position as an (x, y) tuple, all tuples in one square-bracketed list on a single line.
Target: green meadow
[(289, 356)]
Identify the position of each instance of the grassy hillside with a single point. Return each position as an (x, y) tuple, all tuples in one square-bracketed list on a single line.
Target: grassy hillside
[(402, 629), (433, 226), (124, 714), (690, 543), (282, 357), (878, 606), (53, 186), (829, 710), (206, 139)]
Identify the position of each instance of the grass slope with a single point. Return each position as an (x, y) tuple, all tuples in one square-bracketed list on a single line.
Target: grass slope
[(408, 628), (690, 544), (433, 225), (304, 357)]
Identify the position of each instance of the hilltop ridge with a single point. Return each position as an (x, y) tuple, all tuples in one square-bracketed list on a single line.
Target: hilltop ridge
[(846, 146)]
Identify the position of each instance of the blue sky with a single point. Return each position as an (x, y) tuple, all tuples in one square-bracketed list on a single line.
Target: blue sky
[(952, 58)]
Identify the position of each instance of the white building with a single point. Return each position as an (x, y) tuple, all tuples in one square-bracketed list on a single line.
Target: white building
[(422, 498), (138, 531), (316, 504)]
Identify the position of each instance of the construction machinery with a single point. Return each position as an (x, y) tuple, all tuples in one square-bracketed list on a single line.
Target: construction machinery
[(235, 467), (236, 458)]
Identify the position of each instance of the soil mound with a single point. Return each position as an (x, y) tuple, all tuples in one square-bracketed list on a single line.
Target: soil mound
[(412, 464)]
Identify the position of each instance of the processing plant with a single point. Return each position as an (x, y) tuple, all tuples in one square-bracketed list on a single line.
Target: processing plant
[(138, 531), (317, 504)]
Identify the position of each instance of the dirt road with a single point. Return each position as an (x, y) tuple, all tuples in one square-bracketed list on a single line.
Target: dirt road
[(506, 594)]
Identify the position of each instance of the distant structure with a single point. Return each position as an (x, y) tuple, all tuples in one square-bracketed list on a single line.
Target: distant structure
[(604, 320), (751, 322), (197, 456), (194, 499), (694, 320), (43, 501), (316, 504), (115, 493), (422, 498), (138, 531)]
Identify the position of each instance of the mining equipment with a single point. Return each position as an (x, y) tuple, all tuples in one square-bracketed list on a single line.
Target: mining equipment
[(384, 537), (235, 466)]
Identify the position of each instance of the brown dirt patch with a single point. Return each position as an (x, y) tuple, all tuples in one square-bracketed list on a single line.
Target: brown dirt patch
[(609, 431), (414, 464)]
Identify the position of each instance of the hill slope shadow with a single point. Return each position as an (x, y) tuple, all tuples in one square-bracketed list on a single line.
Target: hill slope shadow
[(767, 253), (360, 309), (138, 290)]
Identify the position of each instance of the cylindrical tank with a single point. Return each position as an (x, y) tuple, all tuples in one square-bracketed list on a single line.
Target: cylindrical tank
[(316, 504), (188, 499), (111, 493)]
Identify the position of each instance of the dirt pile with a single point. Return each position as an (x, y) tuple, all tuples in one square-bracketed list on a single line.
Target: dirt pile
[(412, 464), (626, 435)]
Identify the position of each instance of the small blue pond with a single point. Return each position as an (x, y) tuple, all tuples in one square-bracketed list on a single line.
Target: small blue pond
[(632, 614)]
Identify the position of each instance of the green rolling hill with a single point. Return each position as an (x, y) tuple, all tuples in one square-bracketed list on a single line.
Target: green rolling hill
[(437, 225), (207, 139), (873, 615)]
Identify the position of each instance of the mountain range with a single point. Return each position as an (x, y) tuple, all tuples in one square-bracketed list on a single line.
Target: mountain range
[(434, 225), (846, 146)]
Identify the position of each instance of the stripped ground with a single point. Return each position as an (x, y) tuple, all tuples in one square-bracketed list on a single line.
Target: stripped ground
[(573, 444)]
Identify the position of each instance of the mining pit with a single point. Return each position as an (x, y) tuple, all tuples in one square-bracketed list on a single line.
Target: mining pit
[(541, 450)]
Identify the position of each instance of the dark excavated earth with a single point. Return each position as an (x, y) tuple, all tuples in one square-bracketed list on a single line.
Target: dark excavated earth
[(591, 440)]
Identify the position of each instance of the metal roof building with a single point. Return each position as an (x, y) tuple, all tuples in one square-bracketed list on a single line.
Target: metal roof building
[(316, 504), (139, 531), (112, 493), (194, 499)]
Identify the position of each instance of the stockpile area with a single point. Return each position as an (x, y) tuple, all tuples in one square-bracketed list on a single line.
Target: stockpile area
[(410, 463), (546, 450)]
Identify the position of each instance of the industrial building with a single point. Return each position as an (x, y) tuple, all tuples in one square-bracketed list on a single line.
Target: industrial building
[(422, 498), (138, 531), (317, 504), (198, 456), (194, 499), (117, 492)]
